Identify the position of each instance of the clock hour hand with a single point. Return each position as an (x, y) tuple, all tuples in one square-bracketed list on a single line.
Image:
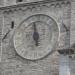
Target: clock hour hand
[(36, 38), (35, 35)]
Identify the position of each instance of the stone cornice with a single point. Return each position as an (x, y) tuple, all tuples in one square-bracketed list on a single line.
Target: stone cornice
[(35, 3)]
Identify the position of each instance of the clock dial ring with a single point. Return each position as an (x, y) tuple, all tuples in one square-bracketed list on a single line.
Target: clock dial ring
[(22, 44)]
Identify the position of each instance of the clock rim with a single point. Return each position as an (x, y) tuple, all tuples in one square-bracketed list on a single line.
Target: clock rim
[(28, 24)]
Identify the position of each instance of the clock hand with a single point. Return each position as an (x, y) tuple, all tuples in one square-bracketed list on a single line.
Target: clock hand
[(34, 27), (35, 35)]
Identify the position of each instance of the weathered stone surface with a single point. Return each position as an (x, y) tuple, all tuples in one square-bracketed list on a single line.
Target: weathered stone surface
[(72, 34), (72, 41), (11, 62)]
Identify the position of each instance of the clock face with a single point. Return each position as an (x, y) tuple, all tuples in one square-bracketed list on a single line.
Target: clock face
[(36, 36)]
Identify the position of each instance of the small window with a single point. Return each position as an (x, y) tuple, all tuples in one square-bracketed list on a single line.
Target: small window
[(19, 0)]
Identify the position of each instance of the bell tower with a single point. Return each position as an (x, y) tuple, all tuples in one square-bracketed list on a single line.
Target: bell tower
[(34, 33)]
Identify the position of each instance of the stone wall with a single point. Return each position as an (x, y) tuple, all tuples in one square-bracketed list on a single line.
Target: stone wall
[(1, 25), (9, 2), (13, 2), (72, 34), (72, 40), (14, 64), (1, 3)]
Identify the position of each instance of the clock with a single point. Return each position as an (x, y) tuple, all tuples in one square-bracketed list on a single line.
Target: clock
[(36, 37)]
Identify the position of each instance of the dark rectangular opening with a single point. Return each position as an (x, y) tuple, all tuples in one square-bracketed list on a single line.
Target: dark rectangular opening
[(12, 24)]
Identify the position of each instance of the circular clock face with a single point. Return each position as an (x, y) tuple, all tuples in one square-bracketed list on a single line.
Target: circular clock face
[(36, 36)]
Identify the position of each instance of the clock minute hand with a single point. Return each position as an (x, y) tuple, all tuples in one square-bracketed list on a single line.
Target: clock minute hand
[(35, 35)]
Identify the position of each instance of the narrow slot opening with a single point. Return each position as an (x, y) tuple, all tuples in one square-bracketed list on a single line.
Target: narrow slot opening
[(12, 24)]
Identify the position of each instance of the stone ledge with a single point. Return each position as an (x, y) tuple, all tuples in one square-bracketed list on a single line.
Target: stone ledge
[(34, 3)]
